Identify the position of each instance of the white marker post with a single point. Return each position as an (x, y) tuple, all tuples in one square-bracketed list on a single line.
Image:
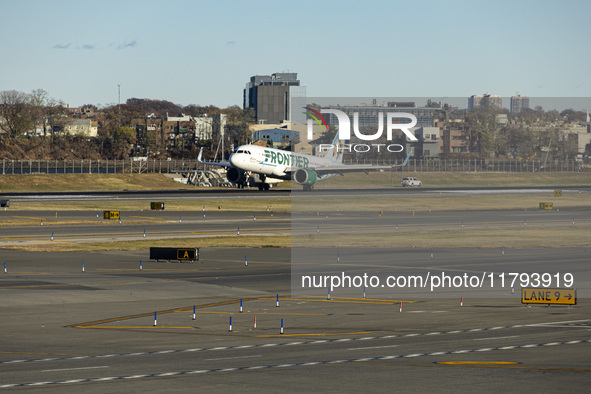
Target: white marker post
[(245, 261), (281, 332), (42, 222), (400, 306), (338, 257), (255, 322), (277, 305), (230, 324), (193, 312), (52, 236), (254, 216), (431, 252), (328, 296), (155, 319), (83, 266), (238, 232), (462, 301), (5, 268), (241, 305), (144, 233), (141, 266), (364, 291)]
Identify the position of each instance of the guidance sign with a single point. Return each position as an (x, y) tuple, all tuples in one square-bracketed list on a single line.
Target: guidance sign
[(548, 296), (111, 215)]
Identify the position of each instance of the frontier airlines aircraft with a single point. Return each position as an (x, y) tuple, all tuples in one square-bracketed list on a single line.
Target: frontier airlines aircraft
[(255, 165)]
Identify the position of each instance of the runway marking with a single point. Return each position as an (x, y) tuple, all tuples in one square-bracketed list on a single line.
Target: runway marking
[(35, 239), (442, 365), (47, 354), (231, 358), (486, 339), (316, 334), (477, 362), (333, 300), (363, 299), (74, 369), (372, 347), (153, 218), (261, 313), (314, 342), (302, 364)]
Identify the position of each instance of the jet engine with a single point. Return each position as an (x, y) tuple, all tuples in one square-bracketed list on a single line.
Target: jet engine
[(305, 177), (235, 175)]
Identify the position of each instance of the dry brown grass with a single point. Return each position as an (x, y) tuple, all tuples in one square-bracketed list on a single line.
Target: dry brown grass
[(525, 237)]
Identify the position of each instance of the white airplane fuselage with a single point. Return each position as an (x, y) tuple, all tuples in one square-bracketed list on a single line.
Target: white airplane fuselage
[(275, 163)]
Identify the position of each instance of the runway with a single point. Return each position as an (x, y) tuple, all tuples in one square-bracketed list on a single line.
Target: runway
[(96, 330)]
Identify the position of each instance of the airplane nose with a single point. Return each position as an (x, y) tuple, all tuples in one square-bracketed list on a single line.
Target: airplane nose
[(232, 159)]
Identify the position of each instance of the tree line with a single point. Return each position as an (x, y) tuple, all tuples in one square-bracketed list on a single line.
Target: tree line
[(33, 126)]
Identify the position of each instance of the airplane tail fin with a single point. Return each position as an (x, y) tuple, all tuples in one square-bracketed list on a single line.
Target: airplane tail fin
[(335, 152), (406, 160)]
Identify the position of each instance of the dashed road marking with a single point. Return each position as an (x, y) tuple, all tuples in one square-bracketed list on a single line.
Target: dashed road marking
[(302, 364), (315, 342)]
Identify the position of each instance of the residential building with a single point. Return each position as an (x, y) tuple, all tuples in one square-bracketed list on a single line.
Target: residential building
[(82, 127), (479, 100), (276, 138), (368, 115), (519, 102), (455, 136), (427, 144)]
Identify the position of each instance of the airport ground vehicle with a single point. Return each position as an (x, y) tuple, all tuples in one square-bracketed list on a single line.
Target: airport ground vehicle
[(410, 181)]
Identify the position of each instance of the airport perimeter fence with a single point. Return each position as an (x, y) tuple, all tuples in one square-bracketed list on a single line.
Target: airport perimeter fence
[(13, 167), (127, 166)]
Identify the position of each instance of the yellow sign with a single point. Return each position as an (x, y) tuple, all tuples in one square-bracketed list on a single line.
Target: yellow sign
[(548, 296), (545, 205), (186, 254), (111, 215), (557, 193)]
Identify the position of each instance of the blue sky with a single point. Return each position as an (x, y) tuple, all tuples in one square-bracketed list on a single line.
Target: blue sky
[(203, 52)]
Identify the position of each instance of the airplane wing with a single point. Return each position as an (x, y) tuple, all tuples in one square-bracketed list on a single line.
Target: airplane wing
[(223, 163), (341, 169), (349, 168)]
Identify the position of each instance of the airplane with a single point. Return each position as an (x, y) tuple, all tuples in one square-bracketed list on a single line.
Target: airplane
[(261, 166)]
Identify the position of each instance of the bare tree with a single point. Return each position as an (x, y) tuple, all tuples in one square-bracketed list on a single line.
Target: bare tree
[(15, 108)]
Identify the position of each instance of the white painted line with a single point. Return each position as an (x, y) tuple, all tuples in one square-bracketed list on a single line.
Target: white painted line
[(178, 373), (372, 347), (73, 369), (231, 358), (486, 339)]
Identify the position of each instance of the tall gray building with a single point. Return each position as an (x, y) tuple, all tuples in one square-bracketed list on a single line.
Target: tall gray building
[(519, 102), (480, 99), (368, 114), (270, 96)]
